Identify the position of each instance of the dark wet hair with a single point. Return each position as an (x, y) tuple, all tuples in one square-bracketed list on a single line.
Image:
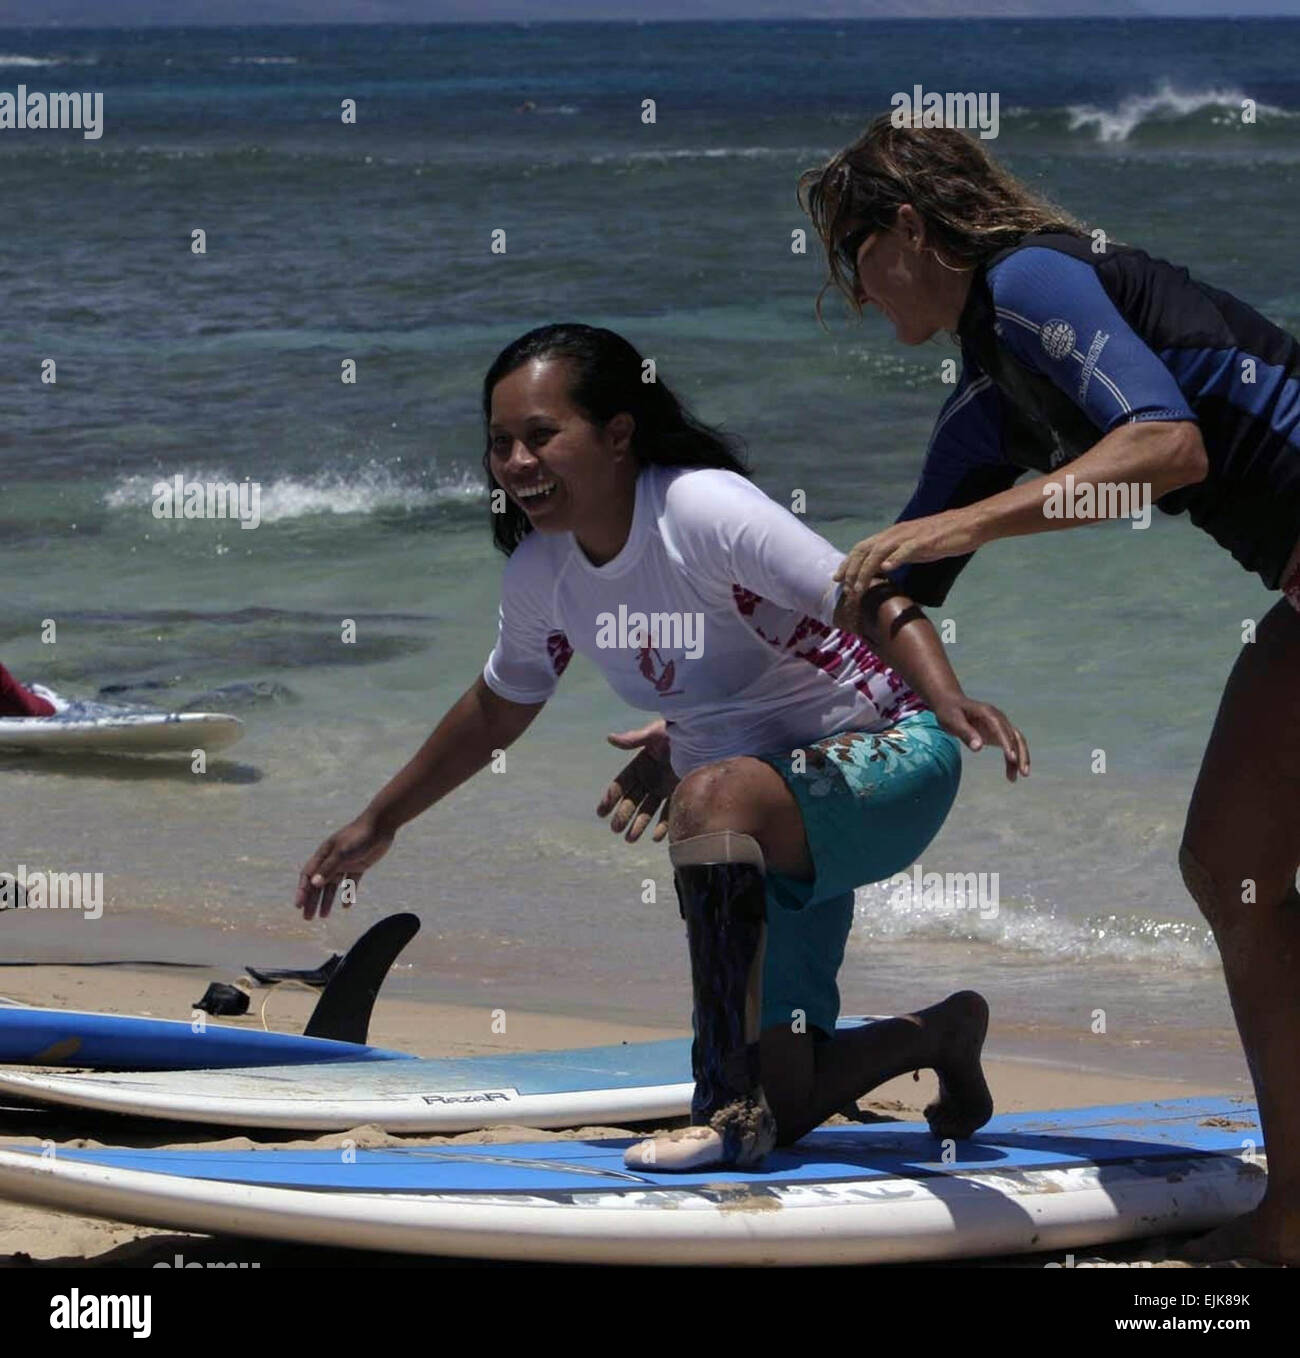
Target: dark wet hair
[(605, 380)]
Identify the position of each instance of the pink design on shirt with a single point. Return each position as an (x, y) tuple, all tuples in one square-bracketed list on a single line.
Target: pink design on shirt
[(647, 659), (558, 648), (746, 602), (846, 650)]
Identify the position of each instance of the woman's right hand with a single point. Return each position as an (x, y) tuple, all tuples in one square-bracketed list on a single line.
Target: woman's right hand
[(347, 853), (976, 724), (642, 787)]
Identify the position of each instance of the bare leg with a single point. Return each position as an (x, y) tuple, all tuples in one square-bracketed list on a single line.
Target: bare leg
[(1243, 827), (806, 1082), (751, 798)]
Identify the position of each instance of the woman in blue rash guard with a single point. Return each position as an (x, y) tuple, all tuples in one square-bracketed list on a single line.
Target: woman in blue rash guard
[(1093, 358)]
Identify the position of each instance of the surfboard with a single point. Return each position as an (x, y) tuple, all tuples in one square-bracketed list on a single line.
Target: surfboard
[(629, 1082), (338, 1029), (115, 728), (887, 1192), (70, 1037)]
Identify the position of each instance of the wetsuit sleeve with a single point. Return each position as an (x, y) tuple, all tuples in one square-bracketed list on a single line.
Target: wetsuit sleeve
[(726, 529), (531, 651), (1055, 317), (963, 464)]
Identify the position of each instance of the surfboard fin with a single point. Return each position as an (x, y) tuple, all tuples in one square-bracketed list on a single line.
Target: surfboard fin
[(343, 1010)]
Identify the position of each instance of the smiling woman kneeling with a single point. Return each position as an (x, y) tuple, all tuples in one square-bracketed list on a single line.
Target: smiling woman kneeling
[(814, 738)]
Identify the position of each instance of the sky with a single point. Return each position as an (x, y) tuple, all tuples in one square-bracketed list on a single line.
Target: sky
[(131, 13)]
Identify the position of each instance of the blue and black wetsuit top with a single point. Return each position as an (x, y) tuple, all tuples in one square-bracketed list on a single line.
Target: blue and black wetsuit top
[(1061, 344)]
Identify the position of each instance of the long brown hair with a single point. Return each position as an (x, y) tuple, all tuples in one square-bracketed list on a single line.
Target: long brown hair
[(971, 206)]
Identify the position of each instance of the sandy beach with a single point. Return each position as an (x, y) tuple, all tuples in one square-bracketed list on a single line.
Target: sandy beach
[(33, 1238)]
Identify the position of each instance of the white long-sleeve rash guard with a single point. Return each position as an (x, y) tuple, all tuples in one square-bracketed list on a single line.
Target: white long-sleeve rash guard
[(716, 614)]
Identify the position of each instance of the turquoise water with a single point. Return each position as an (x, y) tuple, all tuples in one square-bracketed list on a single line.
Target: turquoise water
[(370, 242)]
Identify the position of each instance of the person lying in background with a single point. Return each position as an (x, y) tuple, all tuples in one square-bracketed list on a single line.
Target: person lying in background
[(17, 701)]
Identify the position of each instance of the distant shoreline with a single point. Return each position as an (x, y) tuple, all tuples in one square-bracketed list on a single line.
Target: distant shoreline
[(525, 18)]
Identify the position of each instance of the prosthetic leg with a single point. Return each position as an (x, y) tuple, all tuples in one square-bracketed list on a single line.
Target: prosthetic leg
[(721, 889)]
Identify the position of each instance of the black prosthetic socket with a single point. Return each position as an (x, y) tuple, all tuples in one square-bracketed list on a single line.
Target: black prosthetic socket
[(724, 906)]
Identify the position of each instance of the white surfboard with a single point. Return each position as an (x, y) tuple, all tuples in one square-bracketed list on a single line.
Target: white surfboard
[(847, 1194), (627, 1082), (570, 1087), (536, 1089), (114, 728)]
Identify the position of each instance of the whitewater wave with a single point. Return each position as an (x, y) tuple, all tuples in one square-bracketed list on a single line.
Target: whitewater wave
[(704, 153), (261, 61), (1213, 107), (1025, 926), (371, 490), (18, 59)]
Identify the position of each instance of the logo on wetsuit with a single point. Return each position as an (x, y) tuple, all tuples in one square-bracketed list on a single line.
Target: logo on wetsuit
[(1057, 339)]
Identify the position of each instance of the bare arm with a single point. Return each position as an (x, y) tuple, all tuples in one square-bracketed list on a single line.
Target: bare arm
[(461, 744), (904, 638), (1162, 455)]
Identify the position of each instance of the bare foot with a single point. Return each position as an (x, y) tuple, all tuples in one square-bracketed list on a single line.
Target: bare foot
[(964, 1103), (1269, 1235)]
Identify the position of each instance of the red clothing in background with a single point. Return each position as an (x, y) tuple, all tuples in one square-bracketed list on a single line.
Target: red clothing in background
[(16, 701)]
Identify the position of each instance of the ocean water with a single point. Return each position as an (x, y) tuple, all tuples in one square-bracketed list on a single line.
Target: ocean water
[(371, 242)]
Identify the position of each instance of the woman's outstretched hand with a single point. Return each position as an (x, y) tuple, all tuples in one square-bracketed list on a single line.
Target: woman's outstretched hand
[(643, 787), (346, 854), (976, 724)]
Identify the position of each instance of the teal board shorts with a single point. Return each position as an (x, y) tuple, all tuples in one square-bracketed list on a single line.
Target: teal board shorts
[(871, 802)]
